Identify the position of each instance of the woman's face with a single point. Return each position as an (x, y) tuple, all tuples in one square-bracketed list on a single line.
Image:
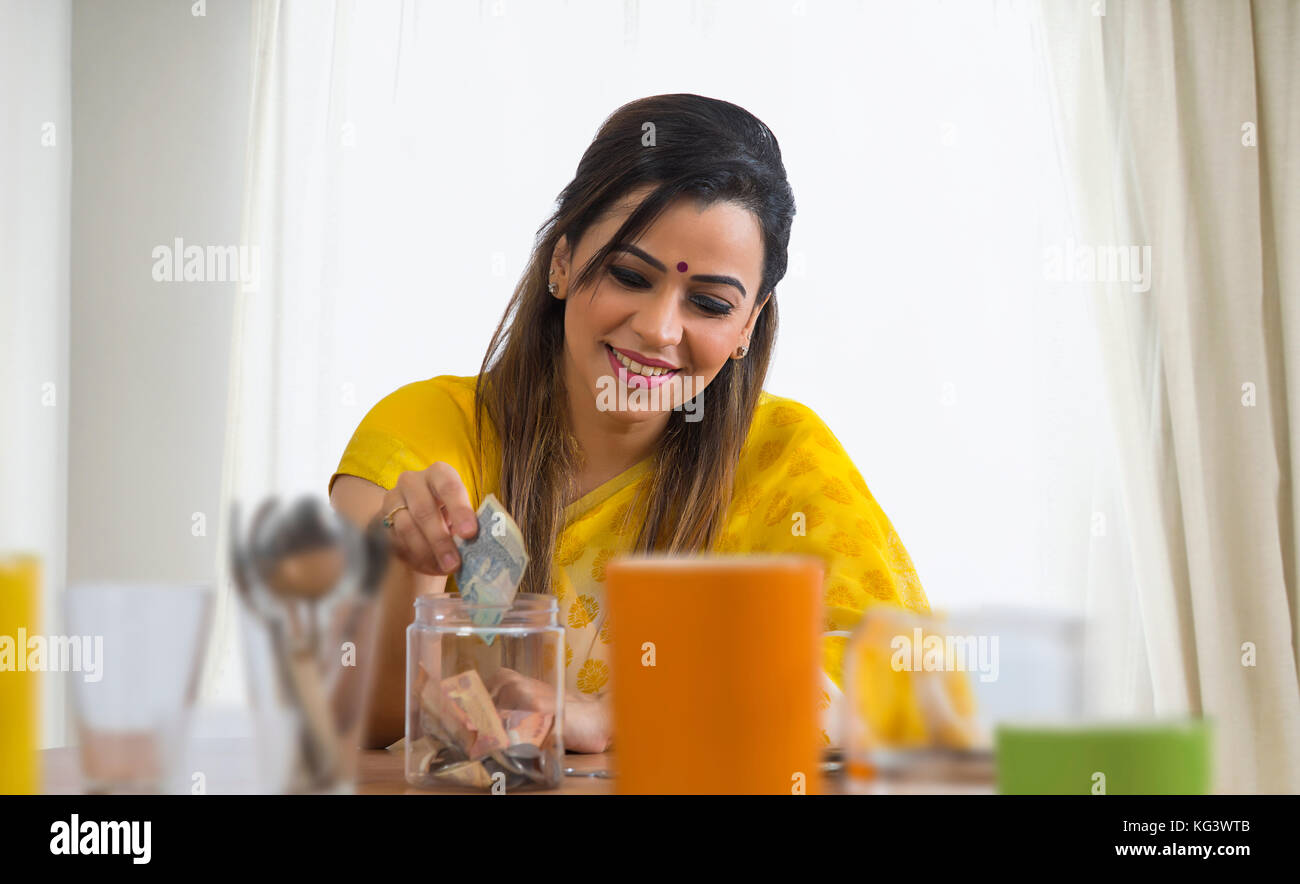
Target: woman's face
[(662, 318)]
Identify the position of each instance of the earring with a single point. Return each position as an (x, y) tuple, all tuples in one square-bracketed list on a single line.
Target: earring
[(551, 286), (744, 348)]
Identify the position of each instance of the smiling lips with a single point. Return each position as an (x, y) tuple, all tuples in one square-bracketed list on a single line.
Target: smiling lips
[(651, 373)]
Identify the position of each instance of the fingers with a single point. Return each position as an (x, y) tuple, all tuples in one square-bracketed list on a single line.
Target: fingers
[(407, 539), (511, 689), (498, 679), (504, 694), (447, 486), (436, 505), (426, 517)]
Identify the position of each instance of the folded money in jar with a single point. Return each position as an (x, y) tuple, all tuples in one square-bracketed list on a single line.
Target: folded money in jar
[(491, 564), (464, 740), (456, 733)]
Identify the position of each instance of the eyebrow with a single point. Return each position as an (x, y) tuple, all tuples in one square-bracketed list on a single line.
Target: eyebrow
[(658, 265)]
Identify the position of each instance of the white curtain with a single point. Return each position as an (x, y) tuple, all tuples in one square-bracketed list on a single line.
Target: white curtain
[(340, 244), (35, 192), (1178, 127), (281, 353), (403, 154)]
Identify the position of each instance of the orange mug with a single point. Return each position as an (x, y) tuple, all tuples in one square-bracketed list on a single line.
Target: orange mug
[(716, 674)]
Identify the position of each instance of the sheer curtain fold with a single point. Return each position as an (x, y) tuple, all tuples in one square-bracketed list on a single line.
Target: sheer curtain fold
[(281, 350), (1174, 120), (1277, 74)]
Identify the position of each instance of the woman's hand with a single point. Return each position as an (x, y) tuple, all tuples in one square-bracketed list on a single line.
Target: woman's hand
[(588, 722), (436, 508)]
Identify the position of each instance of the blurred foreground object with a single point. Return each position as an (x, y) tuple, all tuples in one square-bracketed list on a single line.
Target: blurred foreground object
[(716, 674), (925, 692), (1139, 758), (308, 576), (138, 648), (20, 605)]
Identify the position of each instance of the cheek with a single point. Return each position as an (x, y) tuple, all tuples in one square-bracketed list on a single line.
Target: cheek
[(578, 333), (587, 318), (712, 345)]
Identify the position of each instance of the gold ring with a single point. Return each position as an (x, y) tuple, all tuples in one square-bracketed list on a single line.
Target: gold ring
[(388, 519)]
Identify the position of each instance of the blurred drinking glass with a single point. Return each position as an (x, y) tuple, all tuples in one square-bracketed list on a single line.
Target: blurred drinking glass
[(924, 694), (141, 646)]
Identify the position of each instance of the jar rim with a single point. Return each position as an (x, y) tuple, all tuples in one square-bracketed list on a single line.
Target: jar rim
[(523, 601)]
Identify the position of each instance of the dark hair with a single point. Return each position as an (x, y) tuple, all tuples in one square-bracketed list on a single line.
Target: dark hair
[(682, 145)]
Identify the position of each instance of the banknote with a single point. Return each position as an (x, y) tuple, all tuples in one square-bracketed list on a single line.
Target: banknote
[(526, 727), (467, 715), (463, 738), (492, 564), (466, 773)]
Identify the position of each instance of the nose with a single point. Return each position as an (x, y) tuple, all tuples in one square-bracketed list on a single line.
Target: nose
[(658, 321)]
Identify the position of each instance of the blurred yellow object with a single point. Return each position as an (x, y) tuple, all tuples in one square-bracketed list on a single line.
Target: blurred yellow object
[(893, 707), (20, 596), (833, 647)]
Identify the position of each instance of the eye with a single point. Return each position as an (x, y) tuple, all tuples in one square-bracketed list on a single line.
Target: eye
[(712, 306), (633, 280), (629, 278)]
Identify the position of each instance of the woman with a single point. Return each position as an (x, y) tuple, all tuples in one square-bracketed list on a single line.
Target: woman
[(621, 408)]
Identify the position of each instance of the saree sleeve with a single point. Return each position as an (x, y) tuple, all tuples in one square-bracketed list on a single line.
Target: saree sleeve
[(416, 425)]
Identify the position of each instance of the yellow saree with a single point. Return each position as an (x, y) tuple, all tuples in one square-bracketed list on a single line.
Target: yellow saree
[(796, 491)]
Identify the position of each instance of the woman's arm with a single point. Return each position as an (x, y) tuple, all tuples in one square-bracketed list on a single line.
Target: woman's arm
[(385, 684), (588, 723)]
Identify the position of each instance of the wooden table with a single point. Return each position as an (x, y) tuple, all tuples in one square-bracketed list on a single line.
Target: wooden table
[(227, 768), (380, 773)]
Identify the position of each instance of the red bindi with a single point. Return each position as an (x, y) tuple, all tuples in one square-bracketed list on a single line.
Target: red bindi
[(681, 266)]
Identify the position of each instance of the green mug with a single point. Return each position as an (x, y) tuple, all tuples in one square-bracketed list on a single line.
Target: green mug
[(1156, 758)]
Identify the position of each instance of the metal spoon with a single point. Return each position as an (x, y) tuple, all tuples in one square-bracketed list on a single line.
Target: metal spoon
[(601, 774), (832, 765)]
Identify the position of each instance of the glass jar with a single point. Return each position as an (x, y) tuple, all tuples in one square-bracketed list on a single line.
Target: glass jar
[(918, 693), (485, 694)]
